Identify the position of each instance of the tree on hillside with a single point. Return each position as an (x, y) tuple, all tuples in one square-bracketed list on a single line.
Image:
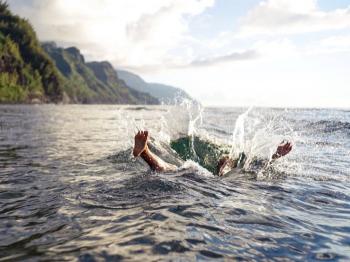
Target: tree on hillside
[(4, 7), (35, 74)]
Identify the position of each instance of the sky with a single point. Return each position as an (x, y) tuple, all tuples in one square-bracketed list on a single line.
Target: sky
[(279, 53)]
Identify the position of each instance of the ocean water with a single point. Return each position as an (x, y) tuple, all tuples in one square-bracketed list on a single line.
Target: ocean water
[(70, 190)]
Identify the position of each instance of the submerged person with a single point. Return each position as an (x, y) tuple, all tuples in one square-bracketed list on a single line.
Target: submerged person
[(222, 166)]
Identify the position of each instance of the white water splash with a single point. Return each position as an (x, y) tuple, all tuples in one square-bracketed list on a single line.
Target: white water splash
[(238, 139), (258, 136), (195, 119)]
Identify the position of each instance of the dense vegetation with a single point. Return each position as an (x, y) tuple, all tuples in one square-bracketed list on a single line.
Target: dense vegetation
[(26, 72), (30, 72)]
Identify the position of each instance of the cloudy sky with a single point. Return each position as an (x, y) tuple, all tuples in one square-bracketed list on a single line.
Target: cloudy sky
[(223, 52)]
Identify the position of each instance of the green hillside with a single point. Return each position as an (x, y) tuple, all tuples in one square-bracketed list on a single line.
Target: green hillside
[(94, 82), (26, 72), (31, 72)]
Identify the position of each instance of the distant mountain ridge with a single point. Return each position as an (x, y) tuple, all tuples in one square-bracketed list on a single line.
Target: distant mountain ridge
[(165, 93), (93, 82)]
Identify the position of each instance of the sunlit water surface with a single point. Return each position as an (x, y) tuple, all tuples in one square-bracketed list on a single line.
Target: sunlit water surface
[(70, 190)]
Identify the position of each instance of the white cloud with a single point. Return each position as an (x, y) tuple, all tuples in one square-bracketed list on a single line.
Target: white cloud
[(217, 60), (342, 41), (291, 17), (128, 33), (328, 46), (210, 61), (277, 49)]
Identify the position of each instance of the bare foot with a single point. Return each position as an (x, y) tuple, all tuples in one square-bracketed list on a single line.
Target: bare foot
[(140, 143)]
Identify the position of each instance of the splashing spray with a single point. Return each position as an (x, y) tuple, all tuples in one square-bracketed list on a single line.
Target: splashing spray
[(238, 142), (195, 114)]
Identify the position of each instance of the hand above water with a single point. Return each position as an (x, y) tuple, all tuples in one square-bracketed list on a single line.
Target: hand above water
[(283, 149)]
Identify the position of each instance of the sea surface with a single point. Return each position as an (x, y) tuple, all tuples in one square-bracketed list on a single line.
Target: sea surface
[(70, 189)]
